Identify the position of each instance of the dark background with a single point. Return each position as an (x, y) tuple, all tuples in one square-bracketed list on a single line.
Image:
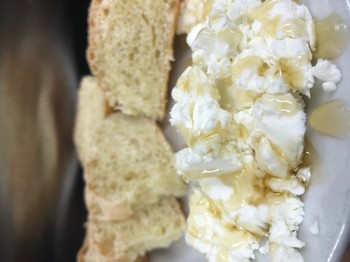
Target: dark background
[(40, 41)]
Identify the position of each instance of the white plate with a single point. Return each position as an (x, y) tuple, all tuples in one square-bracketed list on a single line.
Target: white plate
[(327, 199)]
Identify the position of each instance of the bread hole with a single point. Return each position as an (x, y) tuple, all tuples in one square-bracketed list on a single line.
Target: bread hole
[(145, 19), (172, 4), (106, 245), (91, 55), (129, 176), (133, 52), (134, 143), (113, 187), (143, 175), (92, 164), (101, 73), (157, 53), (146, 158), (105, 11), (153, 36), (91, 186), (126, 74), (95, 208), (163, 230), (178, 223), (92, 23)]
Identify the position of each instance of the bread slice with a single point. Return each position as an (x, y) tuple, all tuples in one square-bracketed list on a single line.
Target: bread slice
[(92, 109), (130, 49), (89, 253), (129, 167), (155, 226)]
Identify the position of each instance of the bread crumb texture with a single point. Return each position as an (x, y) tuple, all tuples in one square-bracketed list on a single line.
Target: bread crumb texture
[(130, 49), (154, 226), (90, 113), (130, 165)]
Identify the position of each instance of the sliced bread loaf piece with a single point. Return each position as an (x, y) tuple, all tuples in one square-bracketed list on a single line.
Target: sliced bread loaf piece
[(154, 226), (129, 167), (92, 109), (130, 49), (89, 253)]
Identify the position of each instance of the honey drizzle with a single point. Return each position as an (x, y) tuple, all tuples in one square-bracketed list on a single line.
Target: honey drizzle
[(201, 206), (271, 25), (333, 36), (331, 119)]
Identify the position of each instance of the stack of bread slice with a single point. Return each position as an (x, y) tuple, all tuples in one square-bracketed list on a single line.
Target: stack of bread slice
[(131, 185)]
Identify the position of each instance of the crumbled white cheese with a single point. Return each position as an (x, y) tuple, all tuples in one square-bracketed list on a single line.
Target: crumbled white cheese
[(240, 112), (329, 86), (268, 159), (291, 185), (281, 120), (192, 160), (208, 233), (264, 248), (326, 71), (197, 108), (251, 218), (194, 32), (215, 46), (192, 12), (288, 10), (304, 174), (216, 189), (289, 48), (286, 218), (239, 8), (278, 253)]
